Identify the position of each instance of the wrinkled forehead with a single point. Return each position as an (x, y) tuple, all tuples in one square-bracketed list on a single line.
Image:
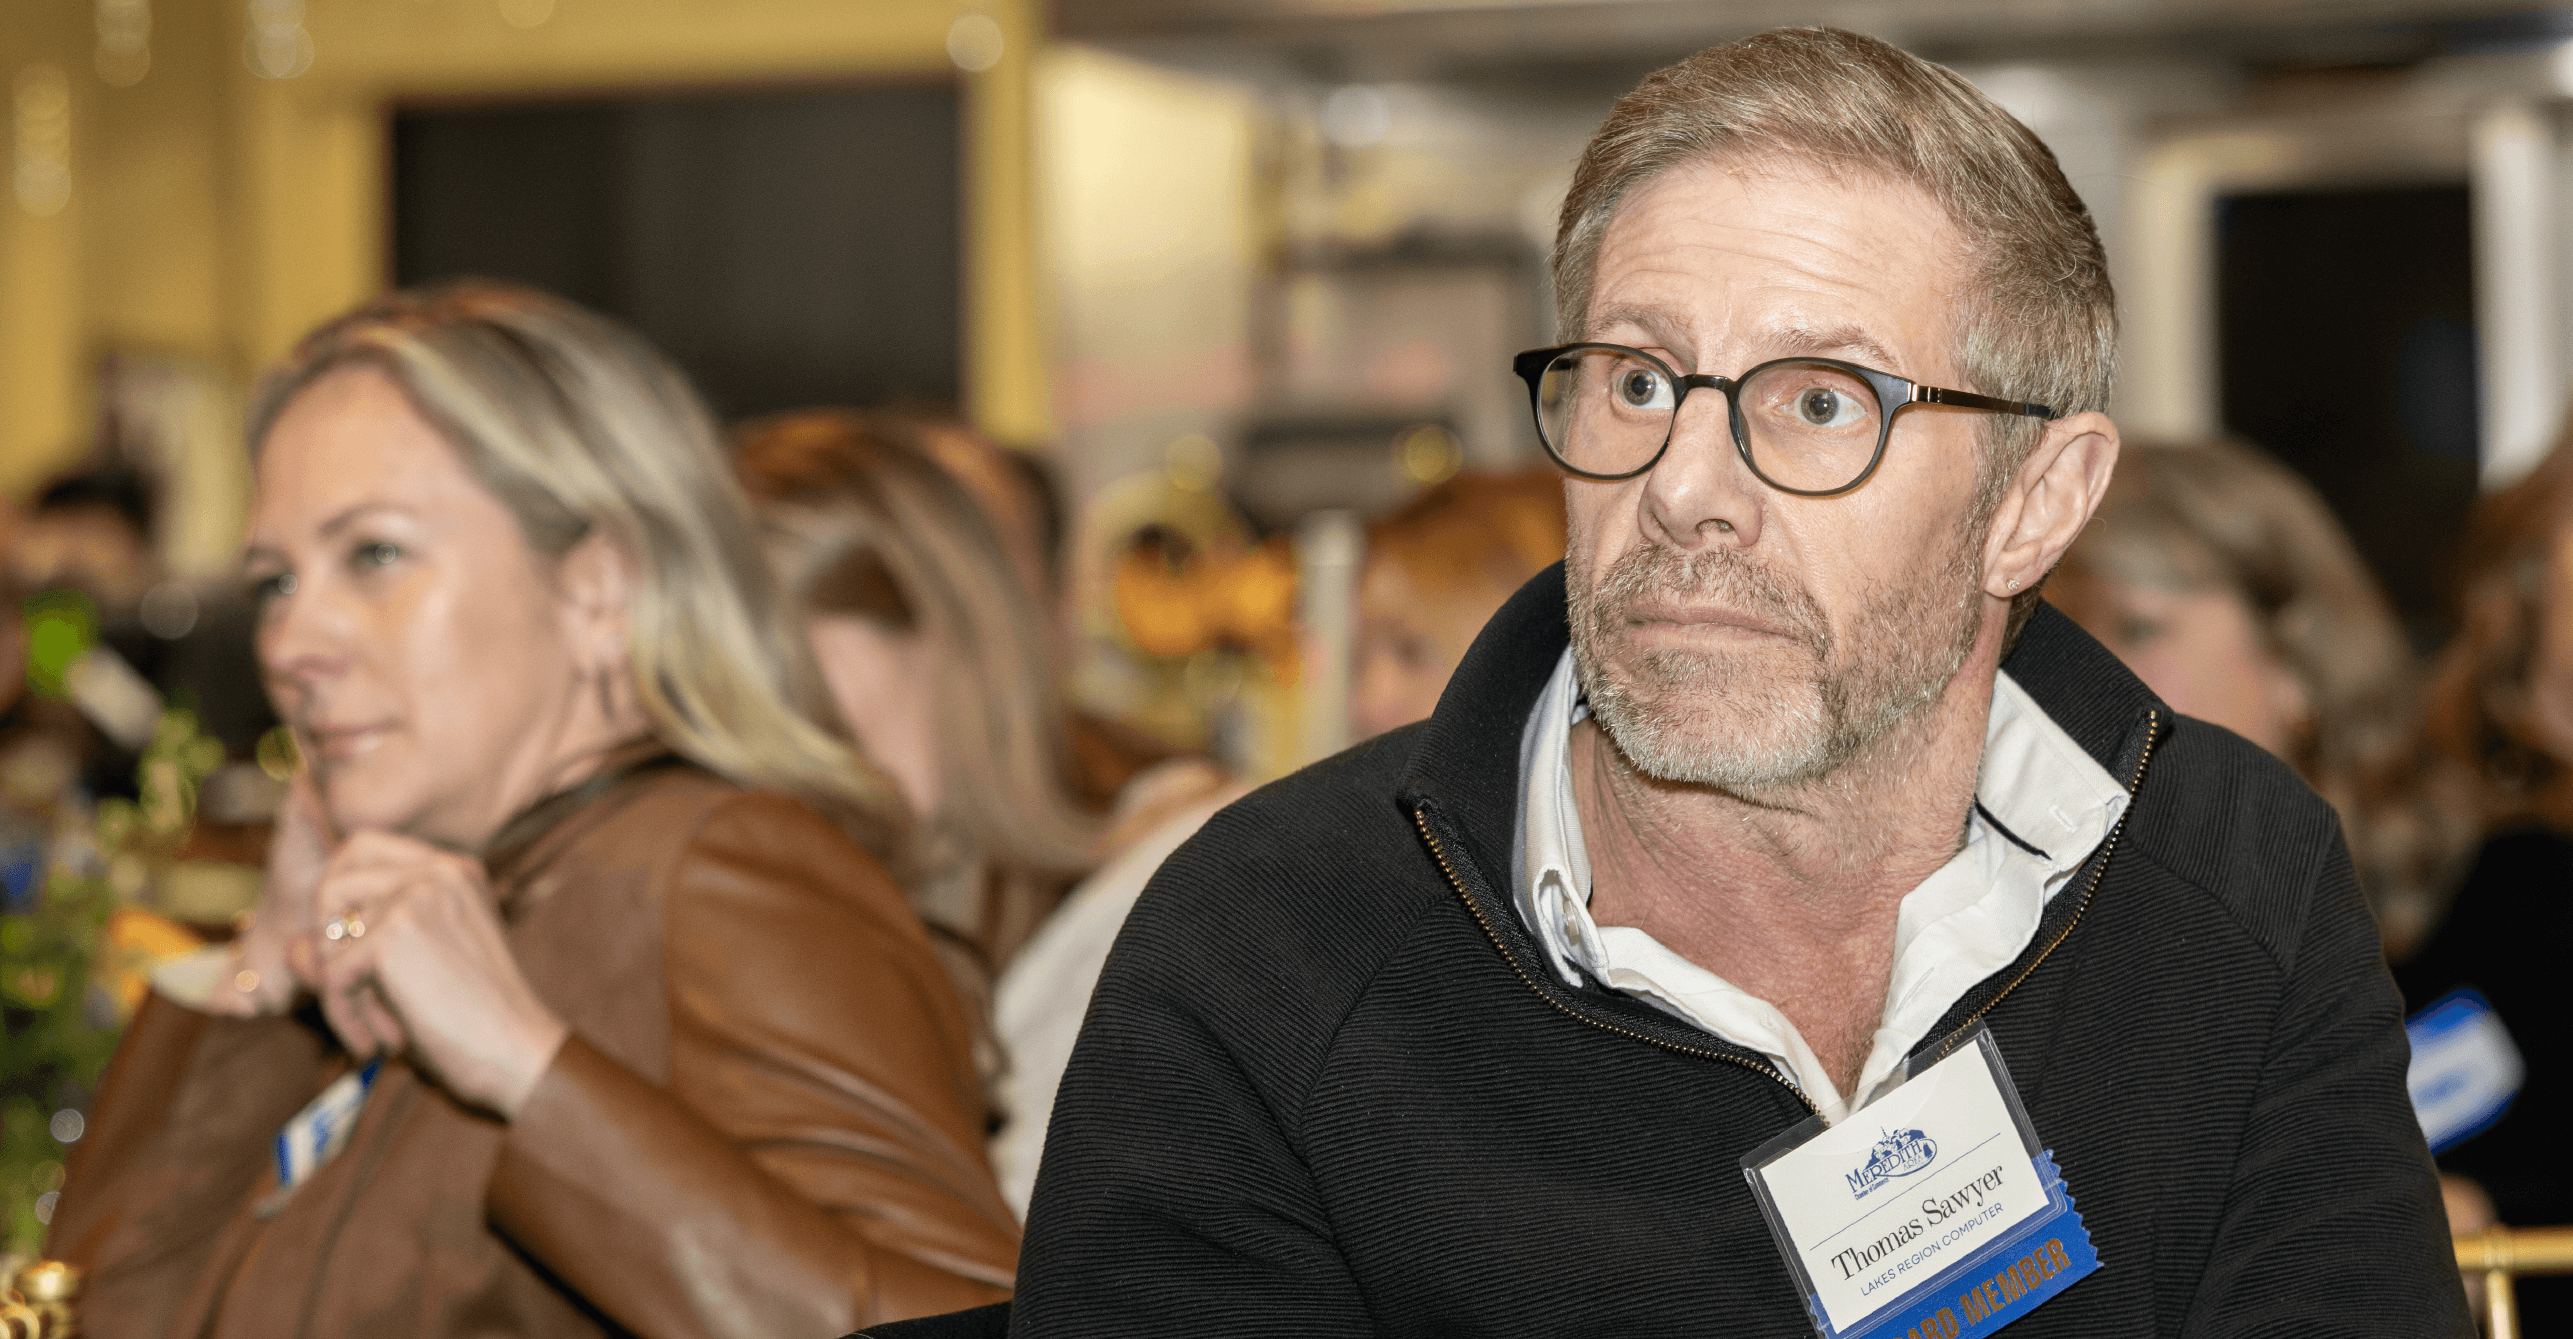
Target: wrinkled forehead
[(1772, 247)]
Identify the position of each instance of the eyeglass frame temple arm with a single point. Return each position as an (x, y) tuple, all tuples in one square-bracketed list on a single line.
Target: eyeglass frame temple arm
[(1940, 395)]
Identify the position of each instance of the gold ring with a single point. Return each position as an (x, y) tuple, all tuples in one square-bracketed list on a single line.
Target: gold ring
[(346, 927)]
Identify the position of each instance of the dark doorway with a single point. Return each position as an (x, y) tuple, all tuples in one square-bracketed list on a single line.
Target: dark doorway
[(788, 248), (2347, 334)]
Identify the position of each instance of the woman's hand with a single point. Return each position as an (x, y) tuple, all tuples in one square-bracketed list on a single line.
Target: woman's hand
[(412, 958), (270, 950)]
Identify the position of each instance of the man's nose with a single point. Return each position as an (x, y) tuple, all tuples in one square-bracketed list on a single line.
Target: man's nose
[(1701, 493)]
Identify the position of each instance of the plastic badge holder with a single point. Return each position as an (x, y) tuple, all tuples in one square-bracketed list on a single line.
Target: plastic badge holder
[(1990, 1286)]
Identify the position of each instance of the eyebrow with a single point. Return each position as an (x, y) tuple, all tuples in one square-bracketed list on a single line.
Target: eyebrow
[(1795, 341), (1788, 341), (338, 522), (347, 516), (1648, 319)]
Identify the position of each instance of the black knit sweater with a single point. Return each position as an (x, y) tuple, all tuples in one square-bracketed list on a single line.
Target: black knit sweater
[(1325, 1087)]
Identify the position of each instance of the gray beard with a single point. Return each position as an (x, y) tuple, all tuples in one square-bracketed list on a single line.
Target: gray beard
[(1717, 720)]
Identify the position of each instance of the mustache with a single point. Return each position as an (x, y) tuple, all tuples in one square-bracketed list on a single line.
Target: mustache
[(1720, 577)]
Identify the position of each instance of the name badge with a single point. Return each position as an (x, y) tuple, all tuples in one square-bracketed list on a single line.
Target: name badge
[(2465, 1071), (316, 1134), (1932, 1212)]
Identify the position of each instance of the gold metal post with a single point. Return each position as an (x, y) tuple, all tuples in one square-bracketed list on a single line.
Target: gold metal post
[(2501, 1304), (2499, 1254)]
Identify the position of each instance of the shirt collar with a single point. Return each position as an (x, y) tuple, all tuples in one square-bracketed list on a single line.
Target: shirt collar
[(2042, 805)]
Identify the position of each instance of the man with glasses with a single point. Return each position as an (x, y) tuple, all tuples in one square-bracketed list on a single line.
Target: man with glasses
[(1785, 923)]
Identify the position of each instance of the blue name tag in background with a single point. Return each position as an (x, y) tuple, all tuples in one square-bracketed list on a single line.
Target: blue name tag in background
[(2465, 1070)]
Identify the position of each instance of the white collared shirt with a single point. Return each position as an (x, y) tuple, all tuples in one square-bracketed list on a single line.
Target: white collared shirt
[(2042, 806)]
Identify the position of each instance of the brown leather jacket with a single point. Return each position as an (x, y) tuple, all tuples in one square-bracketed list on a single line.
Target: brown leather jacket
[(766, 1121)]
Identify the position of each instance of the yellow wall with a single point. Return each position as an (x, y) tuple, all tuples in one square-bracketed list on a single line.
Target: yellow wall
[(217, 214), (40, 253)]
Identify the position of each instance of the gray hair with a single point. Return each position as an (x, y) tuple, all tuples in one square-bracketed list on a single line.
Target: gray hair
[(2040, 321)]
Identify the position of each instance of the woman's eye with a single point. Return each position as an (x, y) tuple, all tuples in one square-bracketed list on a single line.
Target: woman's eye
[(376, 555), (272, 587)]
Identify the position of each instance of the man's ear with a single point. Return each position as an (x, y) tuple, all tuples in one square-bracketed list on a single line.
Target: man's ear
[(596, 581), (2051, 498)]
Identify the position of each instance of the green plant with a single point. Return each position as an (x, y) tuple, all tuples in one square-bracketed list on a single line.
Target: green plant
[(58, 1022)]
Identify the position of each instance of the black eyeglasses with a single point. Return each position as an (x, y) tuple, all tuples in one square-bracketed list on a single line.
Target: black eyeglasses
[(1813, 427)]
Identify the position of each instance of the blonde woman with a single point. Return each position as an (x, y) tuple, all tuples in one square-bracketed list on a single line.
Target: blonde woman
[(2223, 581), (922, 611), (575, 1004), (940, 661)]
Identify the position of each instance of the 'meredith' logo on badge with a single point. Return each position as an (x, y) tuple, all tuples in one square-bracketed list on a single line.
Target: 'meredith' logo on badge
[(1899, 1153)]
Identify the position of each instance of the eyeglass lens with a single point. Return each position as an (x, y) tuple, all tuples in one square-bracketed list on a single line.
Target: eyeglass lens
[(1811, 427)]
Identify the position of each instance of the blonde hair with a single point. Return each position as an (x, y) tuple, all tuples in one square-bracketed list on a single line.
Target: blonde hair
[(580, 428), (863, 520), (2039, 320), (2219, 516)]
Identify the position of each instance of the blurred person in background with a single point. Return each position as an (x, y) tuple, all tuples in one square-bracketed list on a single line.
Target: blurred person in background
[(85, 549), (81, 557), (911, 553), (1435, 571), (1023, 502), (91, 532), (2500, 704), (574, 1003), (2224, 581), (943, 661)]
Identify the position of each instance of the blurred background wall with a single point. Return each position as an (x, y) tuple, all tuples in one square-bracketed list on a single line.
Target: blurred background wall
[(199, 181), (1230, 264)]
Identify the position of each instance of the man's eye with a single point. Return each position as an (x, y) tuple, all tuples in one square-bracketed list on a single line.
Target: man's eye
[(1825, 407), (376, 555), (1643, 388)]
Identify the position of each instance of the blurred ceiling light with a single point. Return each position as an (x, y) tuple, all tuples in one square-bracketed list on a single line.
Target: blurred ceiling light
[(124, 52), (526, 13), (277, 47), (1356, 116), (974, 42), (41, 112), (1428, 454)]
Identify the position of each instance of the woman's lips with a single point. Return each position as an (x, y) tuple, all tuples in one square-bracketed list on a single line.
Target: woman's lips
[(341, 743)]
